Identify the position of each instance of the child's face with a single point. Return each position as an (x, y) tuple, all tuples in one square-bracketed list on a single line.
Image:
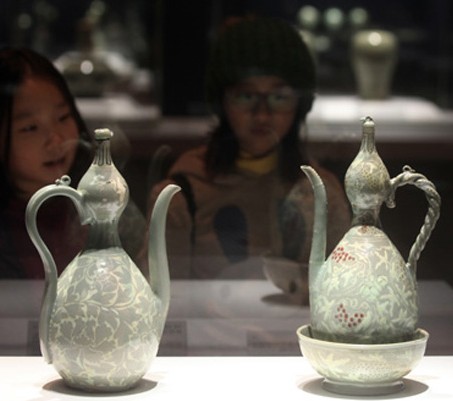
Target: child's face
[(260, 110), (44, 136)]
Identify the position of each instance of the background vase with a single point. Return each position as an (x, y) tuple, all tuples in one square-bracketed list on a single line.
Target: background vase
[(374, 57)]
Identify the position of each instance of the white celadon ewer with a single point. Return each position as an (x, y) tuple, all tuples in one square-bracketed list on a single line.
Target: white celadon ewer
[(365, 292), (101, 320)]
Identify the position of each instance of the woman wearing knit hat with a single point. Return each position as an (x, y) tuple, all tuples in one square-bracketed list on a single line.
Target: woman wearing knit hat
[(244, 195)]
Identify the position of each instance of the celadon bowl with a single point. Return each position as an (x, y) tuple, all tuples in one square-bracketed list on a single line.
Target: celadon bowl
[(362, 369), (289, 276)]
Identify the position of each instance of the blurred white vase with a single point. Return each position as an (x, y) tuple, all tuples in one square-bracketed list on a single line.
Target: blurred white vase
[(374, 57)]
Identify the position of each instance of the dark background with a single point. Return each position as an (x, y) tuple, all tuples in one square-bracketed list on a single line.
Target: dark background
[(171, 38)]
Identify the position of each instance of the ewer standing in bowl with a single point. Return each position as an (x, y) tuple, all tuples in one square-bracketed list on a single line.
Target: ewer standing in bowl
[(101, 320), (365, 292)]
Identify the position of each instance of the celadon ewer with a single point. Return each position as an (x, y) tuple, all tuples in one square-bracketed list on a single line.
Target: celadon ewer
[(365, 292), (101, 321)]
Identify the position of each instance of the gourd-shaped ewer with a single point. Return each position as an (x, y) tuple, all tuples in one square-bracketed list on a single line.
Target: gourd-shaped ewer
[(365, 292), (101, 320)]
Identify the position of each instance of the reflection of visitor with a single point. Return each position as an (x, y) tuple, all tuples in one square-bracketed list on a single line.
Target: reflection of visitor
[(42, 137), (244, 194)]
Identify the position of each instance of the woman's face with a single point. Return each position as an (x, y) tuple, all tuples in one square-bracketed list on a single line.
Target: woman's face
[(260, 110), (44, 136)]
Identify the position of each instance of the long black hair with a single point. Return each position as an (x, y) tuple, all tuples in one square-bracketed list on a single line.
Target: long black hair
[(16, 64)]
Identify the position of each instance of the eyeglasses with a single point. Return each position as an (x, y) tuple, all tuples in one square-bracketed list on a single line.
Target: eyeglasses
[(279, 101)]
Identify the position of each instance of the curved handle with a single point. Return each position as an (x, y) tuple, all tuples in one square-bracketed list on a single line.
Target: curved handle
[(409, 176), (60, 188)]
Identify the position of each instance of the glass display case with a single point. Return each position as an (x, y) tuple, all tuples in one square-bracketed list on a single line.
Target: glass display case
[(139, 70), (166, 42)]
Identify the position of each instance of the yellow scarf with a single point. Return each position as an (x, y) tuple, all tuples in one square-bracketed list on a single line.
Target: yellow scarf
[(257, 165)]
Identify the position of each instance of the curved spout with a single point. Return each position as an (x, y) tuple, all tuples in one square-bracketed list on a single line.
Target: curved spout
[(159, 274), (318, 244)]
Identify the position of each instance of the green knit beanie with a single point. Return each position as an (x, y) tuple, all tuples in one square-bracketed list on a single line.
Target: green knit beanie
[(259, 46)]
